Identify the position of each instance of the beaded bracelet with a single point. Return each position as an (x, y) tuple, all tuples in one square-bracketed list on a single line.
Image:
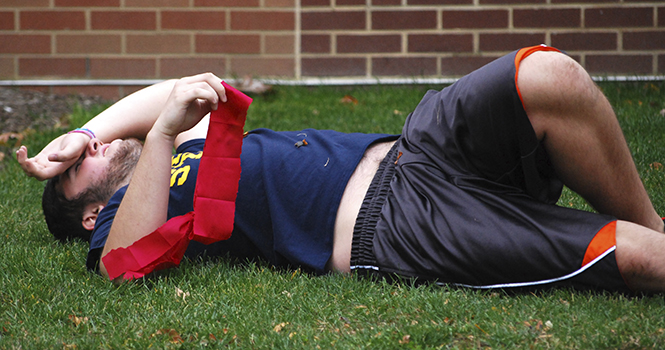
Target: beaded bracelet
[(84, 131)]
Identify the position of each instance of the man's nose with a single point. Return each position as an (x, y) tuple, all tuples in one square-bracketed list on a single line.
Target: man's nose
[(94, 146)]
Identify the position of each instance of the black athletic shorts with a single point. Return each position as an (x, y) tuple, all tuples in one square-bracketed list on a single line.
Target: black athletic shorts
[(467, 197)]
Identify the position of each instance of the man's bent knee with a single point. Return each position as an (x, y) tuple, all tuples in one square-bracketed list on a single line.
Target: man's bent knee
[(554, 86), (554, 80)]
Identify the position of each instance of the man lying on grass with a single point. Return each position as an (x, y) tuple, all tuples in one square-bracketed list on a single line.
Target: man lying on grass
[(464, 196)]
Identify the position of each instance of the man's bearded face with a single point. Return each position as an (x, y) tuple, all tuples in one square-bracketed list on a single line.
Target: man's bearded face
[(117, 173)]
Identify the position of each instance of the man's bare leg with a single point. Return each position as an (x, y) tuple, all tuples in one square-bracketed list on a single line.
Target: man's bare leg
[(586, 145), (639, 255), (583, 138)]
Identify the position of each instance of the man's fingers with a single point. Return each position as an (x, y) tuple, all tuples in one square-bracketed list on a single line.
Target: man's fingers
[(211, 80), (70, 152), (22, 158), (201, 93), (22, 154), (216, 84), (28, 165), (41, 168), (62, 160)]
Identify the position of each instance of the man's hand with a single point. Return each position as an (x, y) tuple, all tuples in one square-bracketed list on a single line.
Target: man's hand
[(190, 100), (55, 158)]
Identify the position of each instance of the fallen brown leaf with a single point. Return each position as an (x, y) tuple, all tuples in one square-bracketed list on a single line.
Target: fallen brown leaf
[(77, 320), (278, 328), (172, 333), (179, 293), (6, 137), (348, 99)]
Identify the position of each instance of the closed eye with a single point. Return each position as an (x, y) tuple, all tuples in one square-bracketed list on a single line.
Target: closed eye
[(75, 168)]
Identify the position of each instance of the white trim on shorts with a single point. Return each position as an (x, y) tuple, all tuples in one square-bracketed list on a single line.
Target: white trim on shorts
[(512, 285)]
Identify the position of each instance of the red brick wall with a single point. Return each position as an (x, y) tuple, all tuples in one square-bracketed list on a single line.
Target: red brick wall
[(453, 37), (157, 39), (145, 39)]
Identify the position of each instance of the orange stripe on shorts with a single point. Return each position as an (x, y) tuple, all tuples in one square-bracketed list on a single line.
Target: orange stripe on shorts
[(605, 239)]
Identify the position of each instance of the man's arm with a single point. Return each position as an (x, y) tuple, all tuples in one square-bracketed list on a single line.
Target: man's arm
[(132, 116), (144, 206)]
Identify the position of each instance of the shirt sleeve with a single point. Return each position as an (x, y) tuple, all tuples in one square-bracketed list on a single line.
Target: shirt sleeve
[(194, 145), (102, 229)]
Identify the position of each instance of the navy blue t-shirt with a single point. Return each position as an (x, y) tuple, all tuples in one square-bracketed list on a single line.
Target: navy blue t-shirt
[(287, 200)]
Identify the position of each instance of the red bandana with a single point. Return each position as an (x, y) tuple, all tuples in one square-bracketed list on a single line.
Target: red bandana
[(214, 199)]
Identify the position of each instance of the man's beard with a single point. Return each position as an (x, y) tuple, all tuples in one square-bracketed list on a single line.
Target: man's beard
[(122, 164), (118, 172)]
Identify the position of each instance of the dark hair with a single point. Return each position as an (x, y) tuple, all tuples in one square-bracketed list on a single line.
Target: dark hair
[(64, 216)]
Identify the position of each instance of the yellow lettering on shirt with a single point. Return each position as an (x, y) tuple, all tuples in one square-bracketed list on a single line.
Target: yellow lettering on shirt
[(178, 159), (180, 175), (179, 172)]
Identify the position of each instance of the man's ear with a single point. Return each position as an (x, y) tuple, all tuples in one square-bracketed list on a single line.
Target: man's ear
[(90, 215)]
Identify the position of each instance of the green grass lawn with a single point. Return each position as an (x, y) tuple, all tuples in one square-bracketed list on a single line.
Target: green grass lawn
[(49, 300)]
